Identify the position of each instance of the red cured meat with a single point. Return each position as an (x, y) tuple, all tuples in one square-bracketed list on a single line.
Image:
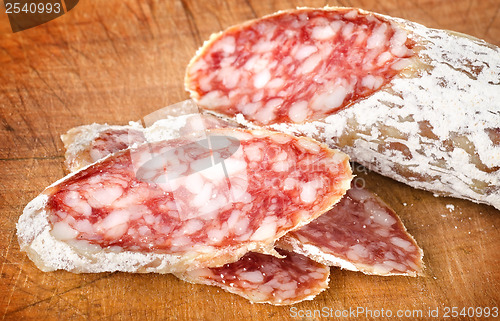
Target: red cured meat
[(266, 279), (361, 233)]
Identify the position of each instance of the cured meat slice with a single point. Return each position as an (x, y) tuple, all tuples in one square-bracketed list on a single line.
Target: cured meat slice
[(177, 205), (263, 278), (415, 104), (360, 233), (88, 143)]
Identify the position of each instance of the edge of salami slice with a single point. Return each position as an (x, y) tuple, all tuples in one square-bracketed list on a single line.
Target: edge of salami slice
[(263, 278), (347, 236), (49, 253)]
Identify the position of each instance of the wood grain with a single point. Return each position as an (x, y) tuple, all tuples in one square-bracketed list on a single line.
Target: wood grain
[(117, 60)]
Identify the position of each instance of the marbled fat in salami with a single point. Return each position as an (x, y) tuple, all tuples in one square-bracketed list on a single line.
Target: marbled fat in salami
[(296, 66), (193, 206), (263, 278), (361, 233)]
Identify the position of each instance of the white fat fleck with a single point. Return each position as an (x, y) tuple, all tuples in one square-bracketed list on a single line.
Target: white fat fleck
[(298, 111), (305, 51), (395, 265), (308, 193), (275, 83), (226, 44), (214, 99), (289, 184), (233, 218), (216, 236), (378, 37), (261, 79), (401, 243), (383, 58), (253, 152), (234, 166), (230, 78), (347, 30), (192, 226), (281, 139), (309, 145), (241, 226), (310, 63), (115, 218), (378, 214), (73, 200), (203, 196), (105, 196), (266, 231), (322, 32), (83, 226), (372, 82), (450, 207), (268, 112), (63, 231), (252, 277), (194, 183), (359, 250), (359, 194), (330, 100), (281, 166)]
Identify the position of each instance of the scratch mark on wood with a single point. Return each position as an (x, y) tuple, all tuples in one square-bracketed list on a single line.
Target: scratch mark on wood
[(12, 291), (251, 8), (56, 294), (191, 22), (32, 158), (491, 22)]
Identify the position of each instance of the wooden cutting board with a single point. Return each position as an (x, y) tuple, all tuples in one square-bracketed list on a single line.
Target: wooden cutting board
[(118, 60)]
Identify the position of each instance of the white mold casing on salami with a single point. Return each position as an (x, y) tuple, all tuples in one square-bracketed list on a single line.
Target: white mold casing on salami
[(434, 125), (55, 231)]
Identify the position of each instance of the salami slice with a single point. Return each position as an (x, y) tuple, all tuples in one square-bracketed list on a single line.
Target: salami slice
[(416, 104), (178, 205), (263, 278), (88, 143), (361, 233)]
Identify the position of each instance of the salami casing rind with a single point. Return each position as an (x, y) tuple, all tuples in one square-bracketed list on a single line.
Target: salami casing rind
[(434, 124)]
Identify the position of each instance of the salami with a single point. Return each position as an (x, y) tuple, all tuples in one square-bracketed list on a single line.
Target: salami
[(415, 104), (263, 278), (160, 207), (361, 233)]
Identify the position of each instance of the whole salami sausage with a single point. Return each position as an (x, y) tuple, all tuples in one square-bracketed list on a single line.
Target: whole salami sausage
[(183, 204), (415, 104)]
